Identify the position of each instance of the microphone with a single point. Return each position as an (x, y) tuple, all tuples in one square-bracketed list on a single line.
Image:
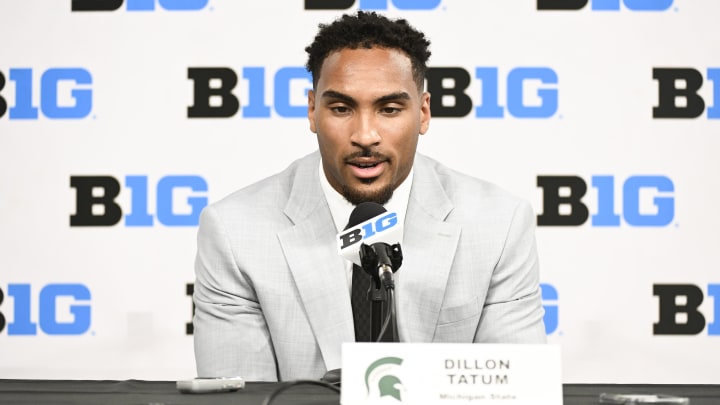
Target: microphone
[(363, 212), (378, 233), (366, 220), (386, 259), (369, 224)]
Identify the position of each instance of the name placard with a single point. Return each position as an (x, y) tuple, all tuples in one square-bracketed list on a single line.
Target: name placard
[(451, 373)]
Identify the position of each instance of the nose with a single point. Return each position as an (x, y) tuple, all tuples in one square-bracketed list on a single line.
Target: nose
[(365, 132)]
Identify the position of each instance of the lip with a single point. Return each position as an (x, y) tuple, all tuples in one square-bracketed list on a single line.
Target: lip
[(360, 167)]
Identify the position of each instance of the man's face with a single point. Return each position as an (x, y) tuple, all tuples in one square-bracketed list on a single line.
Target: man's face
[(367, 113)]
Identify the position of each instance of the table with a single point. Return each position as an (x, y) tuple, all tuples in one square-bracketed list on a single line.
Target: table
[(60, 392)]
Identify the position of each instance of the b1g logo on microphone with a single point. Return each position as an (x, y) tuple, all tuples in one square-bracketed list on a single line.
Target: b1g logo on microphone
[(64, 93), (139, 5), (372, 4), (679, 306), (213, 92), (646, 201), (62, 309), (385, 227), (605, 5), (678, 93), (530, 92), (179, 201)]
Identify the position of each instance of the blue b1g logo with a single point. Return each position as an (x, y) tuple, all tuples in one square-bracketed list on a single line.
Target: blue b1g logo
[(48, 310), (637, 194), (372, 4), (213, 92), (96, 203), (367, 230), (605, 5), (519, 82), (53, 103), (138, 5)]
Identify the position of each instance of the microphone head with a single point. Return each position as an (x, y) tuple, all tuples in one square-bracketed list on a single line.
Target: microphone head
[(363, 212), (369, 223)]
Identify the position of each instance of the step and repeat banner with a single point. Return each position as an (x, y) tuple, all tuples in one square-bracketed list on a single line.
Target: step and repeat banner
[(120, 120)]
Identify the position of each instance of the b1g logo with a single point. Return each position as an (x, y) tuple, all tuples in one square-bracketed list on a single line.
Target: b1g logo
[(368, 230), (550, 305), (372, 4), (678, 93), (96, 201), (679, 309), (646, 201), (531, 92), (213, 92), (65, 93), (138, 5), (605, 5), (385, 228), (54, 315)]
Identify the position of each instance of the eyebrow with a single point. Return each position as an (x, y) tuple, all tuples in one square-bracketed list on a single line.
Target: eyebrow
[(339, 96), (400, 95)]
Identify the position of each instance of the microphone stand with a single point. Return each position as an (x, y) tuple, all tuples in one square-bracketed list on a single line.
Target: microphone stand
[(377, 297), (381, 260)]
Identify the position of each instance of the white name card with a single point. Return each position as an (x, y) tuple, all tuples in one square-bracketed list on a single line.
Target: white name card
[(451, 373)]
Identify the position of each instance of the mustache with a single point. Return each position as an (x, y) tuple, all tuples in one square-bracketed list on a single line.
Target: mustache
[(366, 153)]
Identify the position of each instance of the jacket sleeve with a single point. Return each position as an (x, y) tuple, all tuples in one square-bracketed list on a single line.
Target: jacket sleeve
[(230, 332), (513, 311)]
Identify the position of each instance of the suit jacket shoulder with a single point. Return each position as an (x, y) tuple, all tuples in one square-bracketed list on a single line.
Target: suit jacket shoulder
[(470, 197), (269, 197)]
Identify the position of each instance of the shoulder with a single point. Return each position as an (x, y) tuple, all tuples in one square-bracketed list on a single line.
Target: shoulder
[(488, 214), (468, 192), (271, 194), (474, 203)]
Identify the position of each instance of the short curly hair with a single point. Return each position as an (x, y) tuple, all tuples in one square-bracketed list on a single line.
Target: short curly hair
[(368, 30)]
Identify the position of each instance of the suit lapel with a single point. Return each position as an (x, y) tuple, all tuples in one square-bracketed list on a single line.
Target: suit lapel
[(311, 253), (310, 249), (429, 247)]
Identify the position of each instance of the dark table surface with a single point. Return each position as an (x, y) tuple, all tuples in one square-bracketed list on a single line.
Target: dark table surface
[(165, 393)]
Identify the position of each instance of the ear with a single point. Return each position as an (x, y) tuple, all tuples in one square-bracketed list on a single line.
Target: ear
[(424, 112), (311, 110)]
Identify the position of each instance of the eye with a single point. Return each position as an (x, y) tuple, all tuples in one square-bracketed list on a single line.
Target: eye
[(390, 110), (340, 109)]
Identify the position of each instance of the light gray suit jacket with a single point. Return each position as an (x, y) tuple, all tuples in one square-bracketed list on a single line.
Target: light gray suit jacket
[(271, 293)]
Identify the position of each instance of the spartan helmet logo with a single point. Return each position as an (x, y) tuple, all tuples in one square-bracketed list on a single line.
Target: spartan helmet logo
[(381, 381)]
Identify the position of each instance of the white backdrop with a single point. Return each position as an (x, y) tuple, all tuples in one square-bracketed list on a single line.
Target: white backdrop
[(106, 94)]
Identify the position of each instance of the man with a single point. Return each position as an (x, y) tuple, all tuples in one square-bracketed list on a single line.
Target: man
[(272, 295)]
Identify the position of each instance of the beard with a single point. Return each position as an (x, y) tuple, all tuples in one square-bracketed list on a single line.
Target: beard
[(356, 197)]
